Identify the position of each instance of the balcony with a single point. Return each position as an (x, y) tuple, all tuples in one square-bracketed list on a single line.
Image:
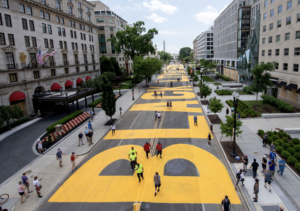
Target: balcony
[(77, 62), (49, 64), (66, 63), (12, 66)]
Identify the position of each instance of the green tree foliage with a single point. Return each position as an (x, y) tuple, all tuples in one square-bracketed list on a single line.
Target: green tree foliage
[(207, 65), (204, 90), (184, 52), (215, 105), (108, 97), (261, 77), (165, 56), (195, 79), (106, 65), (145, 68), (134, 41), (227, 128), (7, 113), (17, 112), (114, 62)]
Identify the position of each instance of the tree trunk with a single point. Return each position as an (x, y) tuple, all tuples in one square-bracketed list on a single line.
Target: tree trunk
[(8, 125), (256, 97)]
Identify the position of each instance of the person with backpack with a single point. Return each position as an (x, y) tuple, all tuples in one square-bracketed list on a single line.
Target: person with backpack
[(264, 163), (226, 206), (265, 139), (245, 160), (157, 182), (239, 177)]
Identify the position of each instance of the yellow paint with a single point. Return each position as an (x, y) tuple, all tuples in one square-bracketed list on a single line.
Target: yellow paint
[(175, 80), (200, 131), (214, 182), (178, 106), (153, 88), (182, 95)]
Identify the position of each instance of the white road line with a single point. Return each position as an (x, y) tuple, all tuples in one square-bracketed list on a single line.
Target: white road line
[(203, 208)]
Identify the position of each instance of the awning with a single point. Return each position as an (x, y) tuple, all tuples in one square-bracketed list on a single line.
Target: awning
[(282, 83), (78, 81), (298, 91), (88, 78), (291, 86), (68, 83), (17, 96), (55, 87)]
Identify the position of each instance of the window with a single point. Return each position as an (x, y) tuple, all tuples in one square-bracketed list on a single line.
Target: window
[(279, 24), (47, 16), (81, 36), (85, 58), (65, 59), (52, 72), (269, 52), (265, 16), (76, 46), (82, 47), (51, 44), (5, 3), (264, 41), (1, 19), (73, 46), (297, 51), (31, 25), (63, 32), (62, 21), (27, 42), (111, 28), (101, 28), (80, 14), (262, 53), (270, 39), (296, 68), (277, 38), (84, 36), (272, 1), (286, 51), (46, 43), (264, 28), (66, 70), (280, 9), (75, 35), (44, 28), (57, 4), (71, 33), (86, 68), (36, 74), (288, 21), (100, 20), (59, 31), (89, 18), (287, 36), (33, 40), (265, 3), (276, 65), (79, 5), (297, 35), (271, 26), (77, 69), (65, 45), (298, 17), (70, 10), (289, 5), (76, 59), (29, 11), (285, 66), (24, 24), (70, 23), (13, 77), (74, 24), (272, 13), (49, 29), (83, 27), (61, 45), (43, 2), (11, 40), (277, 51), (42, 14), (57, 19), (22, 8), (7, 20), (87, 9)]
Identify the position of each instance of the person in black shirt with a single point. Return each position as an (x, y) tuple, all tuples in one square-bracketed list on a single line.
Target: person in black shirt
[(264, 163), (226, 204), (245, 160), (254, 167)]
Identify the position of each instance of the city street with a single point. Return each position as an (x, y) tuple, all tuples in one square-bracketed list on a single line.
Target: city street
[(193, 175)]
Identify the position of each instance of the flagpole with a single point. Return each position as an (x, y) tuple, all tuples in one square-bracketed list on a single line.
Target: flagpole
[(33, 57), (48, 58)]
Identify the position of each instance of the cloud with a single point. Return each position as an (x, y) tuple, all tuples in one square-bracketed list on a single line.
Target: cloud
[(166, 32), (138, 6), (156, 18), (157, 5), (119, 8), (208, 15)]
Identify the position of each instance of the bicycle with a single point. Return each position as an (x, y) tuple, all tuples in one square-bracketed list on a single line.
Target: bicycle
[(3, 198)]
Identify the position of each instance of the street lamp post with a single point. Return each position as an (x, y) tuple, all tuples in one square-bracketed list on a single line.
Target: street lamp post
[(201, 73), (236, 97)]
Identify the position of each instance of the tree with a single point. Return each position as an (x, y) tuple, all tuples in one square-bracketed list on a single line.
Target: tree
[(227, 128), (215, 105), (145, 68), (134, 41), (108, 97), (6, 113), (195, 79), (165, 56), (207, 65), (106, 65), (261, 77), (205, 90), (17, 112), (115, 64), (184, 52)]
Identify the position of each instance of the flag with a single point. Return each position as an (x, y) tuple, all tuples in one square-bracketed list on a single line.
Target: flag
[(40, 57), (50, 54)]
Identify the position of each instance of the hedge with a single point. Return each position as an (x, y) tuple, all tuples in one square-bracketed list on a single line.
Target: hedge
[(207, 79), (243, 109), (96, 102), (15, 124), (225, 78), (247, 89), (297, 148), (292, 160), (223, 92), (64, 120), (280, 104), (296, 141)]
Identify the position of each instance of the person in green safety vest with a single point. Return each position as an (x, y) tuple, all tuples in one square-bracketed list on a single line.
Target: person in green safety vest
[(132, 151), (132, 159), (139, 171)]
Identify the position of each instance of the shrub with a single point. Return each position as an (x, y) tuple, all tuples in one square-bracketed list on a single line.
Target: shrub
[(243, 115), (291, 150), (297, 166), (285, 154), (275, 137), (297, 155), (253, 114), (270, 133), (15, 124), (296, 141), (279, 149), (285, 134), (291, 144), (297, 148), (285, 145), (247, 89), (223, 92), (207, 79), (225, 78), (270, 140), (285, 139), (276, 143), (280, 134), (292, 160), (275, 132), (280, 142), (261, 132), (96, 102), (281, 105)]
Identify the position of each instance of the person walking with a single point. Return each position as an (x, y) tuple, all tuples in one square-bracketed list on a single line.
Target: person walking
[(91, 114), (268, 179), (209, 140), (171, 84), (38, 186), (265, 140), (59, 156), (139, 171), (157, 183), (113, 129), (90, 137), (226, 206), (187, 83), (132, 150), (195, 121), (147, 148), (158, 116), (21, 189), (227, 111), (40, 146), (272, 148), (120, 111), (211, 126), (132, 158), (254, 167), (80, 135), (161, 94), (26, 182), (239, 177), (273, 155), (159, 149), (245, 160), (281, 164), (73, 158), (90, 126), (272, 166), (256, 190), (86, 131), (264, 163), (170, 105)]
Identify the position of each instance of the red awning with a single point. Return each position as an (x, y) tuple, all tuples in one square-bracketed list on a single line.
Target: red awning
[(68, 83), (55, 87), (17, 96), (78, 81), (88, 78)]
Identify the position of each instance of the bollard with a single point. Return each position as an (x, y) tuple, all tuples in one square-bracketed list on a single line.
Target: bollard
[(136, 206)]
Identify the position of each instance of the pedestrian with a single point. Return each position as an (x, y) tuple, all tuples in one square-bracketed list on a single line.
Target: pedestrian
[(256, 190), (209, 140), (86, 131), (90, 126), (59, 156), (226, 206), (187, 83), (171, 84), (232, 109), (268, 179), (265, 140), (159, 149), (132, 150), (170, 105), (272, 148), (245, 160), (211, 127), (132, 158), (90, 137), (155, 115), (161, 94), (273, 155), (280, 207), (120, 111), (139, 171), (26, 182), (147, 148), (239, 177), (22, 193), (91, 114), (113, 129), (38, 186), (281, 164), (157, 183), (227, 111), (73, 158), (272, 165), (195, 121), (80, 135), (40, 147), (264, 163), (158, 115), (254, 167)]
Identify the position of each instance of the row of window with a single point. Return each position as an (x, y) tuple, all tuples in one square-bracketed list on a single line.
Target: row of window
[(101, 28), (287, 37), (118, 23), (288, 22), (279, 10), (285, 67), (286, 52)]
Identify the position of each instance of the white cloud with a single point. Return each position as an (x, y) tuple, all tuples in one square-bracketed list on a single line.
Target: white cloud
[(208, 15), (157, 5), (138, 6), (119, 8), (156, 18)]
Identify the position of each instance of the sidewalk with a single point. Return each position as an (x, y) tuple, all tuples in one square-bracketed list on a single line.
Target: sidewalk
[(46, 166), (286, 188)]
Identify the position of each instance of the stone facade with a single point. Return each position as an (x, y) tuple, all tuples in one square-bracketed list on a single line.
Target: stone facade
[(205, 44)]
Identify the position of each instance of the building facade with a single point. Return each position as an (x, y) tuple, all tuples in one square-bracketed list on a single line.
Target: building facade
[(280, 43), (195, 49), (67, 26), (205, 45), (109, 23), (175, 56)]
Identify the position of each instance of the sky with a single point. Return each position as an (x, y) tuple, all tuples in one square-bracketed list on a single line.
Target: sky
[(178, 22)]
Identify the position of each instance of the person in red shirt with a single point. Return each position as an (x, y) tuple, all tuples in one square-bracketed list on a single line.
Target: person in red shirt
[(159, 149), (147, 148), (73, 157)]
